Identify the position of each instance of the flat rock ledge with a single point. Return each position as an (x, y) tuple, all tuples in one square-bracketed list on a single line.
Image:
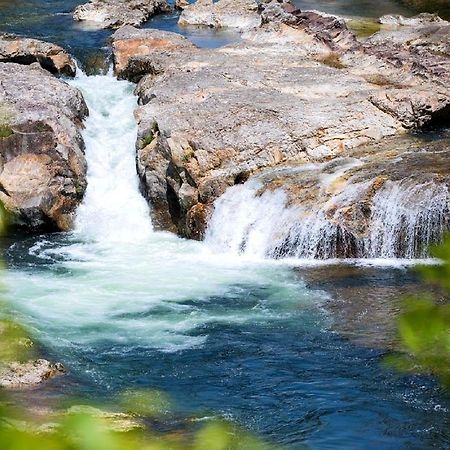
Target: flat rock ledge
[(42, 163), (301, 88), (238, 14), (117, 13), (29, 374), (27, 51)]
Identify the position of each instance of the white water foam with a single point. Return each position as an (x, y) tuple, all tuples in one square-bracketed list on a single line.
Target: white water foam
[(113, 209), (115, 280), (405, 219)]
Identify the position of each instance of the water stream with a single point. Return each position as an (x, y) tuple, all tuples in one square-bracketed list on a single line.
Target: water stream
[(244, 338)]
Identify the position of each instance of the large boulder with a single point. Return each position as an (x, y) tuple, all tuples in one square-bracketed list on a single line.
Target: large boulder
[(42, 164), (238, 14), (145, 52), (299, 89), (27, 51), (116, 13)]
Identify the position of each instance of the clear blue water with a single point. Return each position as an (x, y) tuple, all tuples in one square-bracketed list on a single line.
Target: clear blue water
[(281, 351)]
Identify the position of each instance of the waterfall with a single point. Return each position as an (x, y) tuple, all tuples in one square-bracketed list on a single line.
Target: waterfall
[(403, 220), (113, 208)]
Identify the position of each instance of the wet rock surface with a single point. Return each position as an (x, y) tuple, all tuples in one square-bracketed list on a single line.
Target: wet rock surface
[(116, 13), (26, 375), (390, 199), (27, 51), (299, 89), (42, 164)]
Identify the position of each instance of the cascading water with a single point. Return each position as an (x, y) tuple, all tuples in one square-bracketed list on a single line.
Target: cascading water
[(113, 208), (119, 281), (405, 218)]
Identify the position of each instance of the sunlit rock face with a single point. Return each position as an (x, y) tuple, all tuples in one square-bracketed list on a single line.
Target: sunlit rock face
[(42, 165), (299, 89), (116, 13), (146, 52), (240, 14), (27, 51)]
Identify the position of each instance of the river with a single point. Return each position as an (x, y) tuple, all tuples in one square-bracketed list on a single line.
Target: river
[(291, 350)]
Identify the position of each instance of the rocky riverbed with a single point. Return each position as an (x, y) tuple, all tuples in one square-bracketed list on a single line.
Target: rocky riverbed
[(299, 89)]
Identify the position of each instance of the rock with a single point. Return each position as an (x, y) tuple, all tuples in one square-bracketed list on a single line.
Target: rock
[(416, 21), (139, 52), (27, 375), (116, 13), (27, 51), (299, 89), (240, 14), (414, 110), (42, 164), (114, 421), (425, 32), (181, 4)]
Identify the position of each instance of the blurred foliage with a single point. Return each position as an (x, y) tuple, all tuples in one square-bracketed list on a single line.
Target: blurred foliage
[(5, 220), (424, 325)]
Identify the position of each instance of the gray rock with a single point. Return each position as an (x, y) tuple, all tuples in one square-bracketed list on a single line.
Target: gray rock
[(27, 51), (116, 13), (238, 14), (301, 88), (140, 52), (17, 375), (42, 164), (416, 21)]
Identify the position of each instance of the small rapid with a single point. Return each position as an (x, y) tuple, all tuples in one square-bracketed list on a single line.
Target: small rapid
[(401, 220), (112, 209)]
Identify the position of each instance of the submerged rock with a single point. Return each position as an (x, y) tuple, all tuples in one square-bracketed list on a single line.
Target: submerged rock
[(27, 51), (42, 164), (240, 14), (17, 375), (301, 88), (116, 13)]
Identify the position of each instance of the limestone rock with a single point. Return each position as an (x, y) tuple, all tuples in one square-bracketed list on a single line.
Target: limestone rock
[(416, 21), (116, 13), (42, 164), (238, 14), (301, 88), (27, 51)]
